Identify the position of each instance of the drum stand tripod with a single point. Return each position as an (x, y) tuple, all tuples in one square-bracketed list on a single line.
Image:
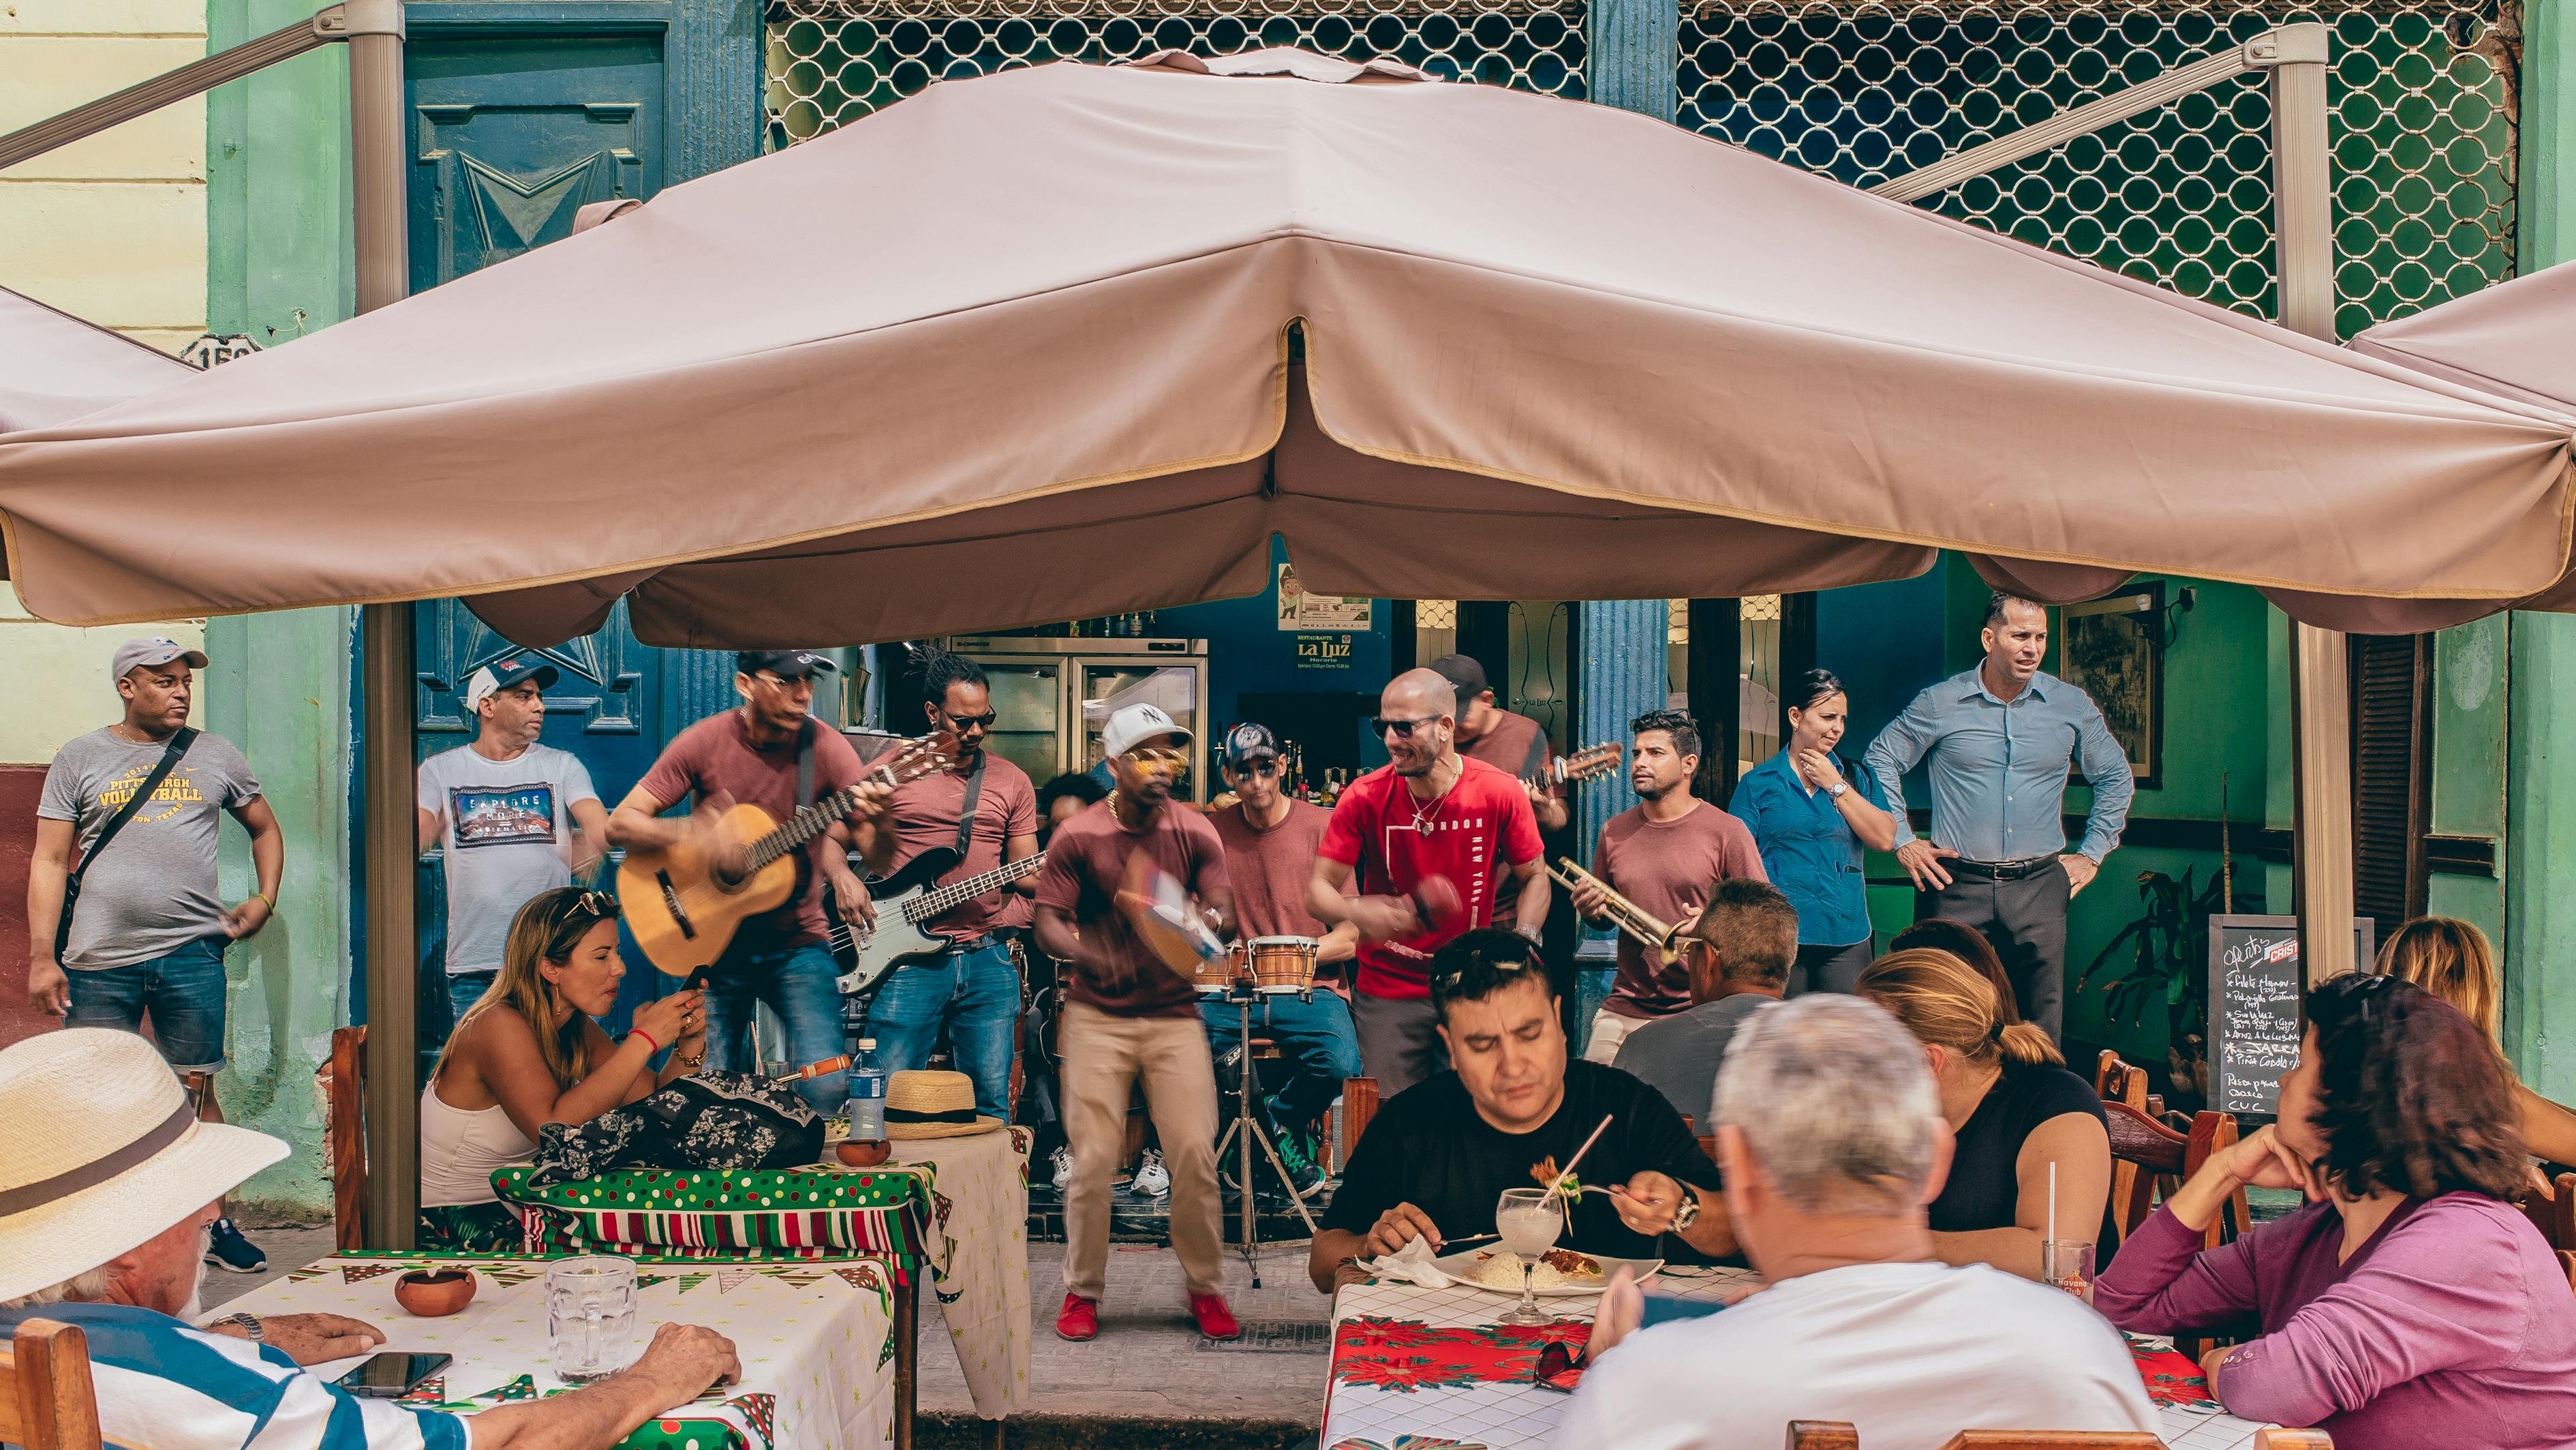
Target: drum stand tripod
[(1243, 996)]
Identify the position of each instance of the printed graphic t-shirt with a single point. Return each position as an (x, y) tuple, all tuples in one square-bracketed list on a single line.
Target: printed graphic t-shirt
[(1470, 835), (925, 815), (153, 890), (1667, 868), (715, 755), (1086, 859), (505, 829)]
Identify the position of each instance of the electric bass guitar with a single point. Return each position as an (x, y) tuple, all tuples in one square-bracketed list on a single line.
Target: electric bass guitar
[(684, 912), (906, 900)]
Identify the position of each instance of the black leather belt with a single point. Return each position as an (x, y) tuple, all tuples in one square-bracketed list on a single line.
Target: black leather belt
[(2003, 870), (958, 948)]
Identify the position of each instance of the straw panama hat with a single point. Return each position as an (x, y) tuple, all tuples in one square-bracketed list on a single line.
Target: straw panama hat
[(933, 1105), (100, 1150)]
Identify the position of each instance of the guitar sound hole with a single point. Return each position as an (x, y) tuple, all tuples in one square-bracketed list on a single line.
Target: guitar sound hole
[(671, 904)]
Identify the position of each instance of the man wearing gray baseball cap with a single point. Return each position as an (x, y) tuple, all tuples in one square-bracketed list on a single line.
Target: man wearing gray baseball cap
[(129, 925)]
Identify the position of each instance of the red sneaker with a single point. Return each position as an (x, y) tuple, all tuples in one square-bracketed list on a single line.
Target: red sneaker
[(1080, 1317), (1215, 1320)]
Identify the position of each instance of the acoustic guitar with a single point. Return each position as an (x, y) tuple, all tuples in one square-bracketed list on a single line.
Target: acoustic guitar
[(684, 912), (1591, 762)]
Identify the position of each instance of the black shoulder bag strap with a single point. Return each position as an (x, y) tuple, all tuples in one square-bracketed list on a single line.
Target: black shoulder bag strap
[(180, 740), (1534, 770), (805, 764), (966, 812)]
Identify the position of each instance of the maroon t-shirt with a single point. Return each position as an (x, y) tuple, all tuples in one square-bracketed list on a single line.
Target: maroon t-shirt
[(1470, 835), (1086, 858), (1668, 868), (925, 815), (1514, 745), (1269, 870), (715, 757)]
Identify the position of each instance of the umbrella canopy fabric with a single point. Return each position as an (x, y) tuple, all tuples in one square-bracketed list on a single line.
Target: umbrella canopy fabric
[(1075, 340), (2512, 338), (54, 367)]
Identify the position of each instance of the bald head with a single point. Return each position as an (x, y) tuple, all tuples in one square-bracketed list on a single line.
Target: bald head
[(1418, 713), (1419, 692)]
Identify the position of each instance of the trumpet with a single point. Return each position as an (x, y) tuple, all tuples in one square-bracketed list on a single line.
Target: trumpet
[(1627, 915)]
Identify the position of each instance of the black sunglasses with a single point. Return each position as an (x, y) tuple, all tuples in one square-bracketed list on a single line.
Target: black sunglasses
[(1263, 766), (1401, 729), (1560, 1367), (969, 722)]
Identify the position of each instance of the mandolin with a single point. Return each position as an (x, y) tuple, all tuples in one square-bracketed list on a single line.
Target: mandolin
[(684, 913)]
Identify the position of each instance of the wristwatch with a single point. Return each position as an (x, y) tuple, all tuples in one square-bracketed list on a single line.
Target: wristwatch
[(1688, 1213), (1837, 790), (249, 1326)]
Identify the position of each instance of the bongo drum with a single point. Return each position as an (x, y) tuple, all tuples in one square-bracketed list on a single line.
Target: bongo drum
[(1284, 963), (1215, 976)]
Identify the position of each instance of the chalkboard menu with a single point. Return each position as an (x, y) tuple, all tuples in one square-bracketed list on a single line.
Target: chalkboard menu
[(2256, 985)]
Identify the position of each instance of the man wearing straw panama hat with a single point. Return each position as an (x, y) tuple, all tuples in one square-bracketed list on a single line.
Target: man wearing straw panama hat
[(923, 1104), (107, 1185)]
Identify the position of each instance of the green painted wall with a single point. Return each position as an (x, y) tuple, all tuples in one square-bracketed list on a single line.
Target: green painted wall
[(278, 250), (2469, 758)]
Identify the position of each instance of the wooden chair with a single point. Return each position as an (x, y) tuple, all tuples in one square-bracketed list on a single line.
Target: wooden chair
[(1842, 1435), (1708, 1147), (46, 1399), (2147, 1155), (344, 1102), (1359, 1106), (2554, 1212), (2118, 1082)]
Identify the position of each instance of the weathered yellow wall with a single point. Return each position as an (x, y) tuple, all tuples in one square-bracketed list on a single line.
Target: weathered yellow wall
[(72, 693), (112, 228)]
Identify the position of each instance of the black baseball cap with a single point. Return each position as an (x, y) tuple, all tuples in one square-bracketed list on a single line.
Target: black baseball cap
[(786, 664), (1248, 742), (501, 674), (1463, 674)]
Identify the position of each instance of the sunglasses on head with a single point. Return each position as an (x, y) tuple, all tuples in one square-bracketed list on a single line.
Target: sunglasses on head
[(1400, 729)]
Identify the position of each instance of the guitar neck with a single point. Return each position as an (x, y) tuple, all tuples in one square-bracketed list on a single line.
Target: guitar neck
[(944, 899), (802, 827)]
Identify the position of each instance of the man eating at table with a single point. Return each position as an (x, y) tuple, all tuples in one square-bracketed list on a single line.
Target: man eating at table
[(107, 1185), (1513, 1112)]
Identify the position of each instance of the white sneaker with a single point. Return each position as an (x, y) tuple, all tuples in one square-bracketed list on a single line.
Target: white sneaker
[(1063, 1161), (1152, 1179)]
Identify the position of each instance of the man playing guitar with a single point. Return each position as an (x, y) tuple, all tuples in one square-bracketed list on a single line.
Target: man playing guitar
[(984, 807), (753, 755)]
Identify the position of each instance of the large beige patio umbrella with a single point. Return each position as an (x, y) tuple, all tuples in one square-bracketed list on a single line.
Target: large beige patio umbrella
[(1075, 340), (55, 367)]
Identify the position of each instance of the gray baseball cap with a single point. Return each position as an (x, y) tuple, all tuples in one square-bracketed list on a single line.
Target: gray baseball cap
[(137, 654)]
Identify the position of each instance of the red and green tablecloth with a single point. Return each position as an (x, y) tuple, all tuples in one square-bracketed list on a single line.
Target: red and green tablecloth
[(814, 1212)]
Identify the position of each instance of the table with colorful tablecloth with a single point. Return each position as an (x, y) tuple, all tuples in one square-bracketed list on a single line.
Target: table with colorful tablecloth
[(956, 1206), (816, 1341), (1430, 1367)]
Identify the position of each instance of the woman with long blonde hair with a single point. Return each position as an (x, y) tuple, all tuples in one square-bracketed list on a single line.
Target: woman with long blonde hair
[(529, 1053), (2450, 959), (2013, 1110)]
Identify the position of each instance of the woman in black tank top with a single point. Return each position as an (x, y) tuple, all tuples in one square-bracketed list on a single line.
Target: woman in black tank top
[(2013, 1109)]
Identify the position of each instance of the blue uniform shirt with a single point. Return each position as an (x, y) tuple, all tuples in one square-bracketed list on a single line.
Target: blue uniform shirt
[(1999, 770), (1808, 849)]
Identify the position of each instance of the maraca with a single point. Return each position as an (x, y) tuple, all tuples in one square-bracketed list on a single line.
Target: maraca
[(1438, 905)]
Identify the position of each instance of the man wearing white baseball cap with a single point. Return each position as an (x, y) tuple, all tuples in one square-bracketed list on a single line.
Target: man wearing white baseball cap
[(107, 1185), (133, 927), (512, 818)]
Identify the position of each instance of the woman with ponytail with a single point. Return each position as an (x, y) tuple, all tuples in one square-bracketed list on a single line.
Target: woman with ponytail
[(1813, 814), (2013, 1109)]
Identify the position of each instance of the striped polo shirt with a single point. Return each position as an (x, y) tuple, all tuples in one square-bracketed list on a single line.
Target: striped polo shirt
[(165, 1386)]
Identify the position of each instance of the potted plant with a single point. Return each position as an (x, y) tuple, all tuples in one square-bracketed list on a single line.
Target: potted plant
[(2168, 945)]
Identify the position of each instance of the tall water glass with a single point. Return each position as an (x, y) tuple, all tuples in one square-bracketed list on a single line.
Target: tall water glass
[(2067, 1266), (1528, 1221), (590, 1317)]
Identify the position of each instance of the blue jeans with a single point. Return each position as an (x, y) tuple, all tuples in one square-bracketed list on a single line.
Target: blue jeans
[(976, 994), (803, 986), (1317, 1037), (183, 993), (464, 989)]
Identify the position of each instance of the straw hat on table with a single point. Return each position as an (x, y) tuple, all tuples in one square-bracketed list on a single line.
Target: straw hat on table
[(933, 1105), (100, 1151)]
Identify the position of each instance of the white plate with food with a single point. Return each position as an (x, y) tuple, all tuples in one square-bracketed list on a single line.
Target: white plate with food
[(1559, 1272)]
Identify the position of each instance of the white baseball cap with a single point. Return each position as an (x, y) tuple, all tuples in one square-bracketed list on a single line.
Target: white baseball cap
[(1137, 723), (500, 675)]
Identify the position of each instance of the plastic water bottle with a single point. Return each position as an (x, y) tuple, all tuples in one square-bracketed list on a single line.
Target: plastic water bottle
[(867, 1094)]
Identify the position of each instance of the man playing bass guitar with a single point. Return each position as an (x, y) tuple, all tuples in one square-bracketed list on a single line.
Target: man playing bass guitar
[(750, 755), (984, 807)]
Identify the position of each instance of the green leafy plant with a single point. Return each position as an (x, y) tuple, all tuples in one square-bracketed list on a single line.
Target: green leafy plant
[(2168, 947)]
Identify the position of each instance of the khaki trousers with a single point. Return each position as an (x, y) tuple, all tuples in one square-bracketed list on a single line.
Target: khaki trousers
[(1103, 1056), (1609, 1029)]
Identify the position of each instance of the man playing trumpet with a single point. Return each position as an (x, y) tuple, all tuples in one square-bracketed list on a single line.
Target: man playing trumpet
[(1661, 857)]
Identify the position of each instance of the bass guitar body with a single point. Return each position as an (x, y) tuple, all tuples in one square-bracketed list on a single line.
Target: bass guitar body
[(896, 939), (681, 913)]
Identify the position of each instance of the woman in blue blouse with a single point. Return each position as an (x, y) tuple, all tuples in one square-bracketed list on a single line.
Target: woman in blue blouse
[(1813, 812)]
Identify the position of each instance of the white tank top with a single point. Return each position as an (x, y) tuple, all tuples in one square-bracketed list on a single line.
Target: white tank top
[(459, 1149)]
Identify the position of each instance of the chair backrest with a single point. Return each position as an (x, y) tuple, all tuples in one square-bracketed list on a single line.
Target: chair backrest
[(2118, 1082), (2053, 1440), (346, 1100), (2553, 1211), (1823, 1435), (1359, 1105), (1708, 1146), (2278, 1438), (46, 1399), (2147, 1154)]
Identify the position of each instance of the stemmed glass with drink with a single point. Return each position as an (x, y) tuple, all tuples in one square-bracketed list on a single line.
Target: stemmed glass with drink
[(1528, 1221)]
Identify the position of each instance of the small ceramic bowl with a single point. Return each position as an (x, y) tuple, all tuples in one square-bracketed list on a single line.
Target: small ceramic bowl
[(430, 1293), (864, 1153)]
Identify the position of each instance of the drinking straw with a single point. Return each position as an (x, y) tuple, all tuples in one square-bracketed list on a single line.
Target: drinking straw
[(2052, 1202), (1587, 1147)]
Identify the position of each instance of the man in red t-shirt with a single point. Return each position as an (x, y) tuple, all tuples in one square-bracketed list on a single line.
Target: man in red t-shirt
[(748, 755), (1271, 839), (1427, 813), (1128, 1015)]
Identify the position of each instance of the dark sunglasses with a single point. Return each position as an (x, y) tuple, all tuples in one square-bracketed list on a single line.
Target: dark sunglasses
[(1400, 729), (1263, 766), (1560, 1367), (969, 722)]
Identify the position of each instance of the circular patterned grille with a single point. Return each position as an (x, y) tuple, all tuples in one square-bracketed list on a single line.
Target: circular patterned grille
[(2420, 114)]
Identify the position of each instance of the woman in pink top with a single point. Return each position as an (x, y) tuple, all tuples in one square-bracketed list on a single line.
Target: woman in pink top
[(2410, 1303)]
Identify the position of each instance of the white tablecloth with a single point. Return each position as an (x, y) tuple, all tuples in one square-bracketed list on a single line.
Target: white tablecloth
[(1525, 1417), (979, 1257)]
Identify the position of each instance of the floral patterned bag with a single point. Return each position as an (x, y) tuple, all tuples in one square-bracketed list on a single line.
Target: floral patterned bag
[(714, 1120)]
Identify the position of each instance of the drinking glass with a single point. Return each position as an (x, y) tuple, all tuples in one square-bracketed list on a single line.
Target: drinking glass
[(1528, 1221), (590, 1317), (2067, 1266)]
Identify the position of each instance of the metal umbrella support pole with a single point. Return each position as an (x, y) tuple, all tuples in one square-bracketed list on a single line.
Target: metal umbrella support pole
[(1242, 997)]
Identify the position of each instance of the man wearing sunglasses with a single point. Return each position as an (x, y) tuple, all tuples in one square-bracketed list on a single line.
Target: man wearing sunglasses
[(1271, 841), (987, 804), (751, 755), (1427, 824)]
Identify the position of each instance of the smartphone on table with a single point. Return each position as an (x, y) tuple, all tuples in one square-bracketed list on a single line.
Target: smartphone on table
[(392, 1374)]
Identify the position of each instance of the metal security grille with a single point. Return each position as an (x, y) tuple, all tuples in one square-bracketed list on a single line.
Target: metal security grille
[(2422, 113), (832, 61)]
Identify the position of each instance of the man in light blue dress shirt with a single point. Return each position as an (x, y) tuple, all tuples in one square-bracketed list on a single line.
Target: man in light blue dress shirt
[(2000, 738)]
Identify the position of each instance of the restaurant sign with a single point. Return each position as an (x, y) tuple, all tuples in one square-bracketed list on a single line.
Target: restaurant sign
[(1323, 651)]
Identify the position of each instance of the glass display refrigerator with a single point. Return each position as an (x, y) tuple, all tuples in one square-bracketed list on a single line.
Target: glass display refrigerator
[(1053, 695)]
